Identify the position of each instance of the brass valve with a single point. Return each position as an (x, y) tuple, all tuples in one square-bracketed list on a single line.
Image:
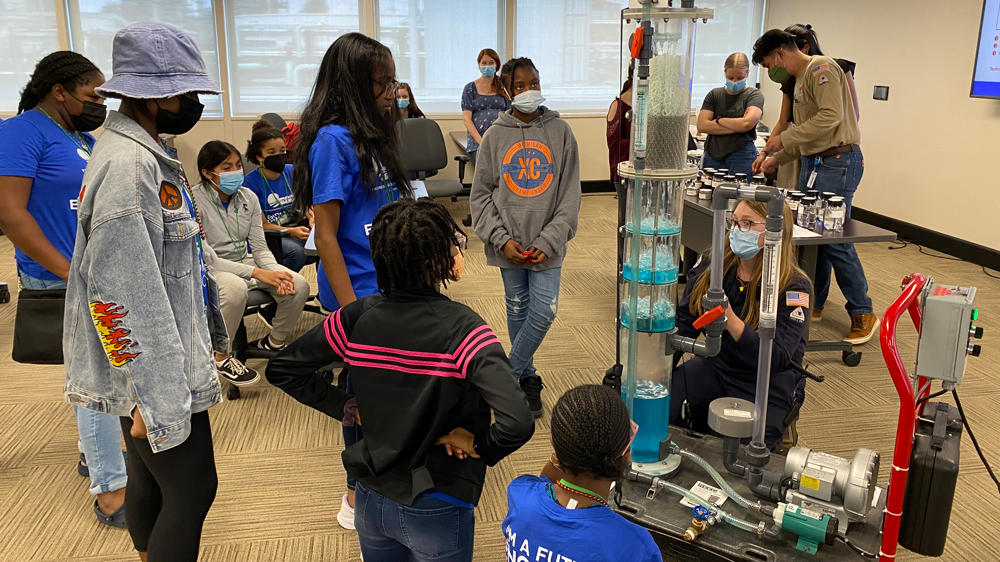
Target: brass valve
[(696, 529)]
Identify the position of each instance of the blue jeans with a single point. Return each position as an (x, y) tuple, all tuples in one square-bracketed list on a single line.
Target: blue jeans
[(100, 434), (294, 251), (532, 298), (739, 162), (841, 174), (428, 530)]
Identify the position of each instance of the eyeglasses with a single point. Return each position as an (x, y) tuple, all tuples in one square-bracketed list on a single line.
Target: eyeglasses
[(388, 85), (742, 225), (462, 241)]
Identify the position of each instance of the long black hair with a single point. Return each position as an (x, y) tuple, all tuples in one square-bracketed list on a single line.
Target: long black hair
[(262, 132), (411, 245), (804, 35), (590, 431), (343, 95), (212, 154), (507, 73), (65, 68)]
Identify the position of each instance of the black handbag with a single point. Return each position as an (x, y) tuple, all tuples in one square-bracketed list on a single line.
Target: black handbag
[(38, 327)]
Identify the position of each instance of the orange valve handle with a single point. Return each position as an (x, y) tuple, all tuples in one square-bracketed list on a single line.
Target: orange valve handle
[(637, 41), (708, 317)]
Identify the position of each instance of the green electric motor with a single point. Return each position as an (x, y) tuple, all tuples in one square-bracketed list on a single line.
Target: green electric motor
[(812, 527)]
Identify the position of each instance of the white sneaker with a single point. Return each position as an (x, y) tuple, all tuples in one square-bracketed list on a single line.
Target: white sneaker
[(346, 515)]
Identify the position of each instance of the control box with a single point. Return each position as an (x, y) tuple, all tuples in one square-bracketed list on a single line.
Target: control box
[(946, 332)]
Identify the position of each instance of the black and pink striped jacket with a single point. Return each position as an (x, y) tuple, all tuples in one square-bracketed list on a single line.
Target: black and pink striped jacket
[(420, 366)]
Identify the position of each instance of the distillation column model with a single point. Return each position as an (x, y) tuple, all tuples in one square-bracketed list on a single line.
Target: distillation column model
[(661, 40)]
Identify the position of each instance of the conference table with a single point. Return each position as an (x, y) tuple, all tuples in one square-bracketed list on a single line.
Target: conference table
[(696, 237)]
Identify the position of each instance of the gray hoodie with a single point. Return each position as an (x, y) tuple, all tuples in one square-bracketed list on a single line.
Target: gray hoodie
[(527, 188)]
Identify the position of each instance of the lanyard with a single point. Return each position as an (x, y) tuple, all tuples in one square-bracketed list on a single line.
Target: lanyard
[(388, 185), (267, 184), (79, 141), (225, 223), (568, 486)]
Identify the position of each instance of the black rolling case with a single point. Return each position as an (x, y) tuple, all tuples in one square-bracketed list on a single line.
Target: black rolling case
[(930, 486)]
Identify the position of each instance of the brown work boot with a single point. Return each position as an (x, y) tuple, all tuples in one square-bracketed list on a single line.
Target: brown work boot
[(862, 328), (816, 315)]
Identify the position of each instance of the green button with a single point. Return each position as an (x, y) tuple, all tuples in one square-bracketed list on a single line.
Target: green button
[(975, 314)]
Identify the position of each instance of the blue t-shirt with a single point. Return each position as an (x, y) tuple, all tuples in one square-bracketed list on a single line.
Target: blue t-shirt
[(275, 196), (336, 176), (36, 147), (537, 528)]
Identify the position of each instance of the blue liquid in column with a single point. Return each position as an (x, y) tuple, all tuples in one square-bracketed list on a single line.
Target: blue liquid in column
[(664, 226), (663, 315), (651, 410), (665, 272)]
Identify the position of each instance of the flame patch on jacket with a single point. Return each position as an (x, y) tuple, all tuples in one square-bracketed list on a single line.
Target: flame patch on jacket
[(108, 317)]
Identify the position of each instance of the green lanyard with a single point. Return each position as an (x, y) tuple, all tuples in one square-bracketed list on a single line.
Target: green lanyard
[(79, 141), (267, 184), (225, 223), (388, 185), (581, 491)]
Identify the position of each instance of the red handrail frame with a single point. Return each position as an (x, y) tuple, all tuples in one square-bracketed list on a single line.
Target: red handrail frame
[(909, 301)]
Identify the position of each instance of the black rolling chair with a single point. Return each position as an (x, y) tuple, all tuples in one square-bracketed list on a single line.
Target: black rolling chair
[(424, 153)]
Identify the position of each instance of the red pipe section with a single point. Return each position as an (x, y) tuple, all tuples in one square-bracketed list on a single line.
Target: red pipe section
[(908, 300)]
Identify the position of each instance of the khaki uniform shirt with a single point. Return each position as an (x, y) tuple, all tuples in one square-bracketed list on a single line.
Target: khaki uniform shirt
[(823, 111)]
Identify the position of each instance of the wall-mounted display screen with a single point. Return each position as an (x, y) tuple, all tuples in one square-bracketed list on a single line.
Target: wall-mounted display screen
[(986, 76)]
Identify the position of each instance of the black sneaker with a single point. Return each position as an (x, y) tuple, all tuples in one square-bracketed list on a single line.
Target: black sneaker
[(266, 314), (532, 387), (265, 344), (237, 373)]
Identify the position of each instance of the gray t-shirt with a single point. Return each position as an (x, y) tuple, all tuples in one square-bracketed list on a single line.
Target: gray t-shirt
[(723, 104)]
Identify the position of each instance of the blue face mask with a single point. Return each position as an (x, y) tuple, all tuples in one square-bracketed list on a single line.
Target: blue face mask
[(488, 71), (736, 87), (403, 104), (744, 244), (230, 182)]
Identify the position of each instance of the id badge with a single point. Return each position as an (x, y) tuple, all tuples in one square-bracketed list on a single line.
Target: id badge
[(812, 175)]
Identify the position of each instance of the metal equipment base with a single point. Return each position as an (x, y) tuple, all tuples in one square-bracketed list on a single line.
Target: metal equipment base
[(667, 519), (664, 469)]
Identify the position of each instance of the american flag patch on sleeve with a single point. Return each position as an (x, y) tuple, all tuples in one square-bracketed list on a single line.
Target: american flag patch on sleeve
[(821, 68), (797, 299)]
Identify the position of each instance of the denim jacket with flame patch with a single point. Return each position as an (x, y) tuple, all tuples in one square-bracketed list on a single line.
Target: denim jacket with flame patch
[(135, 328)]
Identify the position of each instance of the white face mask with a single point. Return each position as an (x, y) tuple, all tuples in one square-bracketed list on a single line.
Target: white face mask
[(528, 102)]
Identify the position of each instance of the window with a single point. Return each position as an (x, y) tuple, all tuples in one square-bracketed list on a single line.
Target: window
[(94, 23), (575, 44), (27, 33), (275, 49), (737, 24), (435, 44)]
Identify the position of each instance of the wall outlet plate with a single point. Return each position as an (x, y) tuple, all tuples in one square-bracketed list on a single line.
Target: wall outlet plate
[(881, 93)]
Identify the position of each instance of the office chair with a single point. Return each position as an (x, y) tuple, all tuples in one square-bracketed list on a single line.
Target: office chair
[(424, 153)]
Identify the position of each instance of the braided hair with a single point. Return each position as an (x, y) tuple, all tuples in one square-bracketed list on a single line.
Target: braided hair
[(508, 70), (411, 245), (590, 430), (65, 68)]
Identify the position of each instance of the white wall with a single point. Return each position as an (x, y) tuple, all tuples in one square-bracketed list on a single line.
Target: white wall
[(921, 146), (589, 131)]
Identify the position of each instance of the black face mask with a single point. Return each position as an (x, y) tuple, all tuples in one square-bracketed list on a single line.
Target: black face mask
[(168, 123), (276, 162), (93, 116)]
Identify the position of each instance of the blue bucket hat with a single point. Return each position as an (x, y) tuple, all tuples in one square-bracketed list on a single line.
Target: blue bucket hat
[(156, 61)]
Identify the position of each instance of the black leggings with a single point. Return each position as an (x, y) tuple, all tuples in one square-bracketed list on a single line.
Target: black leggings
[(169, 493)]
